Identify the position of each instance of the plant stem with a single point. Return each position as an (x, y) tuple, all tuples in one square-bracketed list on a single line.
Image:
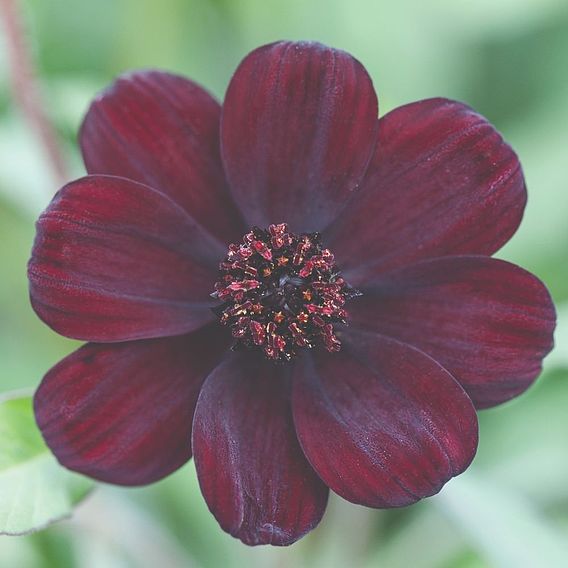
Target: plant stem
[(26, 89)]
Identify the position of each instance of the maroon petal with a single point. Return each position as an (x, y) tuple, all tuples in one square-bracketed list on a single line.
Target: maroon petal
[(163, 131), (251, 469), (381, 423), (122, 413), (115, 260), (490, 323), (442, 182), (298, 129)]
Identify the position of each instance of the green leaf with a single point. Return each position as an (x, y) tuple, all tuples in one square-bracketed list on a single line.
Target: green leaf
[(35, 490)]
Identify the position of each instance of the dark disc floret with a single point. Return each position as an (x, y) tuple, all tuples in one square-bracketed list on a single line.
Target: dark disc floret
[(281, 292)]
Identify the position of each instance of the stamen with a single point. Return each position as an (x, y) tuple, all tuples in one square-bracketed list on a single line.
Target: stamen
[(281, 293)]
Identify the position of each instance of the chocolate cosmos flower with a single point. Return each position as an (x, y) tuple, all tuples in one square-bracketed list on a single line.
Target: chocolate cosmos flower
[(293, 291)]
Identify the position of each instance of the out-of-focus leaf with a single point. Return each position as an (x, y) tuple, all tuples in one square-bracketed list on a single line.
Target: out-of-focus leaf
[(28, 348), (418, 532), (523, 443), (122, 539), (25, 179), (501, 524), (35, 490)]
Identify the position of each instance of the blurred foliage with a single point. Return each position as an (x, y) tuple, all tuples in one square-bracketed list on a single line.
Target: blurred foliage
[(35, 491), (505, 58)]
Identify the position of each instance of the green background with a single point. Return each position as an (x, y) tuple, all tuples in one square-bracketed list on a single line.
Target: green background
[(506, 58)]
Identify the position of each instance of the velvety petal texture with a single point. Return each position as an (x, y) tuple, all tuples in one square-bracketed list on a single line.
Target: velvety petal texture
[(488, 322), (163, 130), (122, 413), (251, 469), (115, 260), (381, 423), (442, 181), (298, 129), (409, 208)]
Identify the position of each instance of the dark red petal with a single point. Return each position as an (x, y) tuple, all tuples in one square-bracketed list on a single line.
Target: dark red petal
[(122, 413), (381, 423), (442, 182), (298, 129), (251, 469), (163, 130), (115, 260), (490, 323)]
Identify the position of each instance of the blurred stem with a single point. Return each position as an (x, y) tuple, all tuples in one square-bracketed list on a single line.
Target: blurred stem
[(25, 86)]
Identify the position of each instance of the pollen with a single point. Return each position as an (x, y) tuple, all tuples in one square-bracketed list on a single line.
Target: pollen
[(280, 292), (303, 317)]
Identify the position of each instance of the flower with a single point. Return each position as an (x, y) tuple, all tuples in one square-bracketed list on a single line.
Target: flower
[(346, 259)]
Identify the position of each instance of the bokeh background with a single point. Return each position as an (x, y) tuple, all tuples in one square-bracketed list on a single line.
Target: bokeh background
[(506, 58)]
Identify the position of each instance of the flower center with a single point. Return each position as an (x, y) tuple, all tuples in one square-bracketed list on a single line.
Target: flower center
[(281, 292)]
